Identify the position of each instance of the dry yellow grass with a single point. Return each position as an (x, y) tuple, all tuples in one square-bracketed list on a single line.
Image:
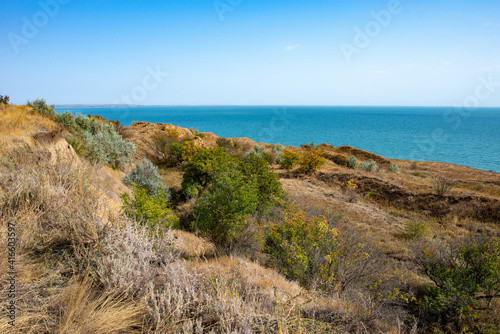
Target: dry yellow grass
[(110, 187), (252, 274), (84, 312), (191, 246), (18, 124)]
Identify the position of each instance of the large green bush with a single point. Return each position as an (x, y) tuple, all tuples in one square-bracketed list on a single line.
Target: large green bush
[(220, 213), (199, 170), (230, 189), (465, 275), (145, 176)]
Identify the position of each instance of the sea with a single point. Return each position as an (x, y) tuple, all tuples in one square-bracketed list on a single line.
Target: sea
[(469, 137)]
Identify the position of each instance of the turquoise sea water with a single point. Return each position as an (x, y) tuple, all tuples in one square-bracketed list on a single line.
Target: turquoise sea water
[(459, 136)]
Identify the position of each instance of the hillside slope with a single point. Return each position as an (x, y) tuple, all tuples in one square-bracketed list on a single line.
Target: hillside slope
[(78, 256)]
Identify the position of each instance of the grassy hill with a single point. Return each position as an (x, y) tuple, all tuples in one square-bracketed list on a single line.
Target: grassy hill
[(224, 235)]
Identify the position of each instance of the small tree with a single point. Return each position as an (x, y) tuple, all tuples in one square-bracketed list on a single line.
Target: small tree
[(465, 273), (221, 212), (303, 248)]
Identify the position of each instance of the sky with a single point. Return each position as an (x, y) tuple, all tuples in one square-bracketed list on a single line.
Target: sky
[(251, 52)]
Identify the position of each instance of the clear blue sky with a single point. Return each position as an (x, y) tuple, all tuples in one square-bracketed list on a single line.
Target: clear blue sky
[(251, 52)]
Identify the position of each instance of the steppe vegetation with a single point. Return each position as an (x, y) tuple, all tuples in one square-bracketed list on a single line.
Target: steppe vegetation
[(153, 228)]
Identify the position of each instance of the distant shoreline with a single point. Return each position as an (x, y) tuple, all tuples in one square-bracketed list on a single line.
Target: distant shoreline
[(238, 105)]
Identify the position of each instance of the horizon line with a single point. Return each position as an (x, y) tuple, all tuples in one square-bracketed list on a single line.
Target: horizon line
[(95, 105)]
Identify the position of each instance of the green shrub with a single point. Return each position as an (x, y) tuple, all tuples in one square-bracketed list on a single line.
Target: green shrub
[(415, 230), (268, 186), (150, 210), (145, 176), (199, 170), (220, 213), (311, 160), (196, 132), (393, 168), (97, 139), (308, 146), (176, 153), (309, 250), (86, 124), (42, 108), (303, 248), (352, 162), (224, 143), (289, 159), (230, 146), (368, 166), (465, 273)]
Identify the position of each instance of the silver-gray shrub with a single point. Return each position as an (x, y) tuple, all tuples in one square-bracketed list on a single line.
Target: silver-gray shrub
[(393, 168), (352, 162), (259, 150), (278, 150), (145, 175), (67, 119), (148, 268), (101, 144), (42, 108), (107, 147), (368, 165)]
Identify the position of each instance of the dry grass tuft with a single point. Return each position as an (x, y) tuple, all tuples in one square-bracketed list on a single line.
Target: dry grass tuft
[(83, 311), (191, 246), (18, 124)]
